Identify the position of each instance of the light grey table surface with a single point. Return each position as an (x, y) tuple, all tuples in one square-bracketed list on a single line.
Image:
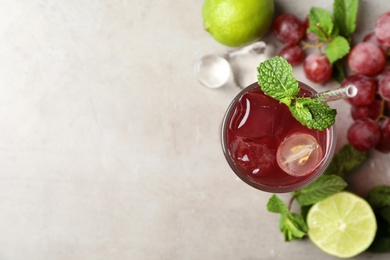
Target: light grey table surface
[(109, 147)]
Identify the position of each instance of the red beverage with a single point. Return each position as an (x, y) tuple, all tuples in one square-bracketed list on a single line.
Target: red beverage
[(254, 126)]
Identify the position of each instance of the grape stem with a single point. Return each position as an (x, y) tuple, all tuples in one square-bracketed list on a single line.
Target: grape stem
[(316, 45), (382, 116)]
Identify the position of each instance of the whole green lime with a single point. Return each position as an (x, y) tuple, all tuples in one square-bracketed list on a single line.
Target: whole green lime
[(237, 22)]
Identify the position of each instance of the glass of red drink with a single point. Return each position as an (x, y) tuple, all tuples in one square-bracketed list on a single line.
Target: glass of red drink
[(257, 133)]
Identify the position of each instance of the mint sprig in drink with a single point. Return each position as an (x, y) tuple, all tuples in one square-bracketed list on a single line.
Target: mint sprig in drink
[(276, 80), (275, 135)]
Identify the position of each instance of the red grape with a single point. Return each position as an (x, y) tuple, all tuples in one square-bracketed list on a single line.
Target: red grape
[(382, 29), (317, 68), (371, 106), (384, 142), (384, 86), (293, 54), (288, 29), (366, 89), (366, 58), (385, 71), (373, 110), (364, 134), (371, 37)]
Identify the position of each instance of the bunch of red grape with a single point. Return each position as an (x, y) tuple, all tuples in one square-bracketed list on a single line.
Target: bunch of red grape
[(289, 30), (370, 107)]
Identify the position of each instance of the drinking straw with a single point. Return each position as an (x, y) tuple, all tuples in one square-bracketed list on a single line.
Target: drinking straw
[(338, 93)]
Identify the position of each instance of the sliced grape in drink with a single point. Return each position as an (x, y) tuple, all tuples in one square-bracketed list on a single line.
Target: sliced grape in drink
[(299, 154)]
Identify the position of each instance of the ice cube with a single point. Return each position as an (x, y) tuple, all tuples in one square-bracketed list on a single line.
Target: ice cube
[(299, 154), (254, 158), (213, 71), (257, 116), (244, 59)]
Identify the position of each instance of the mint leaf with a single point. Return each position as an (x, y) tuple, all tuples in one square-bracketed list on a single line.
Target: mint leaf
[(323, 115), (293, 226), (300, 111), (313, 113), (379, 197), (346, 160), (320, 189), (321, 23), (335, 31), (276, 205), (345, 13), (338, 71), (276, 79), (337, 49)]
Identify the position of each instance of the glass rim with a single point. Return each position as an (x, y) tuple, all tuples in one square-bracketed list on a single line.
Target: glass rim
[(330, 145)]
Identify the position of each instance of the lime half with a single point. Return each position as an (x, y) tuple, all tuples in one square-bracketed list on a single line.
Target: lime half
[(342, 225)]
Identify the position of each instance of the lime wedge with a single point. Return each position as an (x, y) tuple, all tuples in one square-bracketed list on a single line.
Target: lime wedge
[(342, 225)]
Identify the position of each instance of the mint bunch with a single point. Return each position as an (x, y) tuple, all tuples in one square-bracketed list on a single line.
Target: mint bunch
[(293, 226), (335, 31), (276, 80)]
